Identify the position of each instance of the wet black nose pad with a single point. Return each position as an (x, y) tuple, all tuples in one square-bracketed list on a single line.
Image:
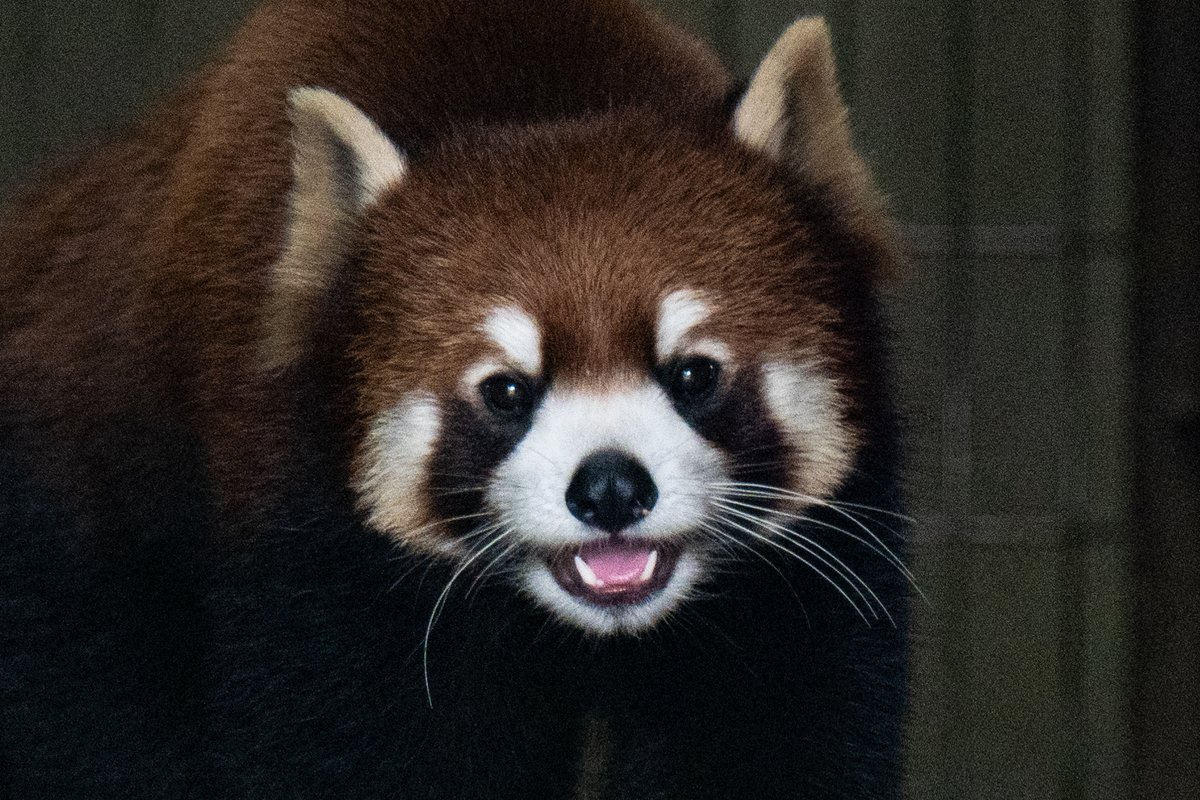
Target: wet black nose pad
[(611, 491)]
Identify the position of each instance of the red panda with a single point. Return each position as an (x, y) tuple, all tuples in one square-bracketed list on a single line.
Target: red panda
[(432, 394)]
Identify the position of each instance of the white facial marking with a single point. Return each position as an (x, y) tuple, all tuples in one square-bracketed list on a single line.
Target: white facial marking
[(394, 464), (807, 405), (679, 313), (528, 489), (528, 492), (708, 347), (515, 332)]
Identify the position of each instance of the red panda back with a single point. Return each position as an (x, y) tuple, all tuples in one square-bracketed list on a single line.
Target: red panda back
[(134, 276)]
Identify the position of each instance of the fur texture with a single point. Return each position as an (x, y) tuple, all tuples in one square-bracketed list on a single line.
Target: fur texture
[(242, 432)]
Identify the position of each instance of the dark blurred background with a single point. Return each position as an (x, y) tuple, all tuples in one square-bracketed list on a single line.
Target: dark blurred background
[(1044, 161)]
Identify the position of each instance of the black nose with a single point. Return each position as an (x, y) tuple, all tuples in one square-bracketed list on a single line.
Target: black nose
[(611, 491)]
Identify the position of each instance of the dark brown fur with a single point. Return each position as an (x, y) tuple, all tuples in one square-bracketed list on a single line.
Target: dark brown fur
[(149, 453), (615, 214), (137, 275)]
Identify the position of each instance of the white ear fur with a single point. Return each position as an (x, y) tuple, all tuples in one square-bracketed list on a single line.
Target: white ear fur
[(793, 113), (341, 163)]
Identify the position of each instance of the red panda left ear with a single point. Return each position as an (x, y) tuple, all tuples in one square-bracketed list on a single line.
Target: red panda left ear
[(793, 113), (341, 163)]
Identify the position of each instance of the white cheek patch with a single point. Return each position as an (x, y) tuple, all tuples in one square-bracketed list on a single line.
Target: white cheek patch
[(394, 463), (528, 489), (678, 314), (515, 333), (809, 409)]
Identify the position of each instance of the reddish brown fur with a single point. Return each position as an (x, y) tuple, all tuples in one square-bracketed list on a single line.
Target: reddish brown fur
[(135, 277), (615, 214), (135, 281), (609, 216), (571, 157)]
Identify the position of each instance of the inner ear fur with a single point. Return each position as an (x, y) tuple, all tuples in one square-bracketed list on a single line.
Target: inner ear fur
[(793, 113), (341, 163)]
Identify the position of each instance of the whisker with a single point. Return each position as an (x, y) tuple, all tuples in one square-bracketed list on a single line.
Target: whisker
[(802, 560), (877, 510), (777, 491), (435, 523), (739, 466), (724, 539), (460, 490), (763, 491), (826, 556), (503, 554), (880, 548), (440, 602)]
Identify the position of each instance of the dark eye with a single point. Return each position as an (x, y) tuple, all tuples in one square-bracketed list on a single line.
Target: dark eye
[(507, 395), (693, 379)]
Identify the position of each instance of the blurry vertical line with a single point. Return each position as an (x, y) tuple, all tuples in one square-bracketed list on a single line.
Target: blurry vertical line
[(1165, 414), (1075, 473), (958, 340)]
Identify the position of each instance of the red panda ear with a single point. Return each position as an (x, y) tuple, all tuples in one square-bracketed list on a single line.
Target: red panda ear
[(793, 113), (341, 163)]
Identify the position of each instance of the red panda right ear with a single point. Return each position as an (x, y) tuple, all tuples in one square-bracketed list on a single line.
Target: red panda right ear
[(341, 163), (793, 113)]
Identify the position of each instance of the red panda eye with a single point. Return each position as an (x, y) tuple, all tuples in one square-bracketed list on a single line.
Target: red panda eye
[(507, 395), (693, 379)]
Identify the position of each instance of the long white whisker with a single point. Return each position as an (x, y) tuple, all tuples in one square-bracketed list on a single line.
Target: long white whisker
[(437, 522), (882, 549), (767, 540), (762, 491), (778, 491), (503, 554), (437, 606), (725, 540), (877, 510), (828, 558)]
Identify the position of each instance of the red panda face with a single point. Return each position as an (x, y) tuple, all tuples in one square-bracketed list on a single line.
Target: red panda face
[(578, 342), (598, 356)]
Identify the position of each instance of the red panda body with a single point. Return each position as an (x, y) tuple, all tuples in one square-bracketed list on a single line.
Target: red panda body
[(296, 373), (161, 242)]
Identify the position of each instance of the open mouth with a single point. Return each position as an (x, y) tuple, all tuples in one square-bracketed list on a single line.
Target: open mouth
[(616, 572)]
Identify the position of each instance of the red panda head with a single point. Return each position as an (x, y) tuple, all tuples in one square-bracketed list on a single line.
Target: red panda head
[(586, 343)]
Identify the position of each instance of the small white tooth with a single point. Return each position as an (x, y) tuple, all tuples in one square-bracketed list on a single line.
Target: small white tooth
[(651, 562), (586, 573)]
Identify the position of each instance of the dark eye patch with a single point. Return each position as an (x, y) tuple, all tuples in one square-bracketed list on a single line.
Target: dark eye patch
[(472, 442), (737, 420)]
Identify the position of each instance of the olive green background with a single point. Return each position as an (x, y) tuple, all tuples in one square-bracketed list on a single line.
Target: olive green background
[(1001, 132)]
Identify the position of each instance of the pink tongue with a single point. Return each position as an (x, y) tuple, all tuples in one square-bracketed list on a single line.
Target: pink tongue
[(618, 566)]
